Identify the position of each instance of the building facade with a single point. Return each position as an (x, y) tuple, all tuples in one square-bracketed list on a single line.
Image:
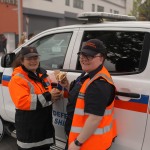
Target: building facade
[(40, 15), (9, 21)]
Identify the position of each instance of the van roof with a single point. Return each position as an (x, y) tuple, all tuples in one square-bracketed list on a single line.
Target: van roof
[(131, 24), (96, 20)]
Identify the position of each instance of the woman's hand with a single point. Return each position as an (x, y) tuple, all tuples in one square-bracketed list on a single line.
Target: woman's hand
[(56, 94)]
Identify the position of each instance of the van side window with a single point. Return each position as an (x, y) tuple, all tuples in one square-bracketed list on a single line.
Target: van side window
[(124, 50), (52, 50)]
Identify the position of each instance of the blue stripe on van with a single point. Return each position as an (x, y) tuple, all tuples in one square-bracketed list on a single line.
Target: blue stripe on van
[(144, 99), (6, 78)]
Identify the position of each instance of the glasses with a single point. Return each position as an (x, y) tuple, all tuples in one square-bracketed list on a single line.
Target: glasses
[(87, 57)]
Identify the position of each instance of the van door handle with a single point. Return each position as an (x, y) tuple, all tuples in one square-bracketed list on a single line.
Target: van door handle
[(132, 95)]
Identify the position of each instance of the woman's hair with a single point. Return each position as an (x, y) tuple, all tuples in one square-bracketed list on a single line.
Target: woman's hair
[(17, 62)]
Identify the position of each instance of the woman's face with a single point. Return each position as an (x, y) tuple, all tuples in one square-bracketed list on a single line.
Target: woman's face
[(31, 63)]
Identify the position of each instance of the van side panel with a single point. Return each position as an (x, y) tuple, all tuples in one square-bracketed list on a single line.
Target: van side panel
[(146, 144), (2, 108)]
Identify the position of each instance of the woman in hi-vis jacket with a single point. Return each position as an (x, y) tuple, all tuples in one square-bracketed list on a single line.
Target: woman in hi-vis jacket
[(31, 91)]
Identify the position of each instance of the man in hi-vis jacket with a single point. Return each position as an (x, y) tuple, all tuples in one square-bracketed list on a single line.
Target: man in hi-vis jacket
[(90, 124)]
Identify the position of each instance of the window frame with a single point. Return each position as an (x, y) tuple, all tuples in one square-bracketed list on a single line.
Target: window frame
[(48, 37), (144, 53), (67, 2), (116, 12), (93, 7), (49, 0), (100, 8), (78, 4)]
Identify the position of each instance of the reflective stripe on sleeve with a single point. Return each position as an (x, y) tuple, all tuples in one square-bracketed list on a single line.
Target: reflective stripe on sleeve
[(97, 131), (33, 102), (35, 144), (81, 112), (81, 95), (33, 95), (43, 100)]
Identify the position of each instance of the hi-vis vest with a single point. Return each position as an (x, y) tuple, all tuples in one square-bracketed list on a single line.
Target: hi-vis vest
[(106, 130)]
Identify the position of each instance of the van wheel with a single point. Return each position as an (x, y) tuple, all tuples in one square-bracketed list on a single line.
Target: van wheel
[(1, 128)]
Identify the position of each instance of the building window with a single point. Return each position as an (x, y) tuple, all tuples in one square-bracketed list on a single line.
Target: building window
[(116, 12), (78, 4), (68, 2), (93, 7), (100, 8), (49, 0), (111, 10), (11, 2)]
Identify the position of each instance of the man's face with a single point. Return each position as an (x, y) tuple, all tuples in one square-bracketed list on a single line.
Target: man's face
[(90, 63)]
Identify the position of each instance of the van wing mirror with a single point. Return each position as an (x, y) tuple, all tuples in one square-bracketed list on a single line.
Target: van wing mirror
[(7, 60)]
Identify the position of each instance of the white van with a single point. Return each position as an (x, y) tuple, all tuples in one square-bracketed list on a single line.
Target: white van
[(128, 44)]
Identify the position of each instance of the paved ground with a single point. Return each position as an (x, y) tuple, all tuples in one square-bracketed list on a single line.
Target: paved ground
[(8, 143)]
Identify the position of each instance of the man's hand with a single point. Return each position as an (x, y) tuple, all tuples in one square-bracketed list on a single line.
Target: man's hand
[(72, 146), (61, 77), (64, 83)]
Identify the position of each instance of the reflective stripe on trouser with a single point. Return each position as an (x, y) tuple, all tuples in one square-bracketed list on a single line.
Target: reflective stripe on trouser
[(36, 144)]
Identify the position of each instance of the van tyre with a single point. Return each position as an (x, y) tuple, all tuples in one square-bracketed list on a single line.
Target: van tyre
[(1, 128)]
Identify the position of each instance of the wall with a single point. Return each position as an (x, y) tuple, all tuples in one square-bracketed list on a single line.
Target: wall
[(56, 13), (9, 22), (58, 6), (54, 6), (9, 18)]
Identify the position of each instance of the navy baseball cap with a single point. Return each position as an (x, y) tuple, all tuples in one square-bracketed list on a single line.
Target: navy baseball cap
[(93, 47), (29, 52)]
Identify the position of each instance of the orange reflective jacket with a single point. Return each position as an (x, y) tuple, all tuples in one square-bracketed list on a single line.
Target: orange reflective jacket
[(25, 92), (106, 130)]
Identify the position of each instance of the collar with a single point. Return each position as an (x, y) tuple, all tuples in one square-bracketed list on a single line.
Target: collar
[(40, 73), (94, 72), (38, 77)]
